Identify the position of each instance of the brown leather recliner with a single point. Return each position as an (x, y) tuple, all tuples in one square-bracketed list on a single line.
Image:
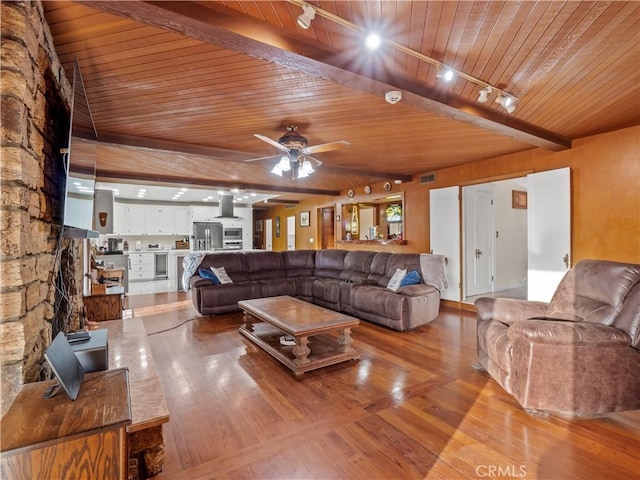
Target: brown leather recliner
[(578, 354)]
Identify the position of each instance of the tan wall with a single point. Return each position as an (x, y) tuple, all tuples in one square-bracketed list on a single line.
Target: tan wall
[(605, 191), (605, 197)]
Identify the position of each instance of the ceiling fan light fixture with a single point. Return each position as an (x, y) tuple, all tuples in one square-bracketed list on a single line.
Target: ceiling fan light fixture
[(284, 164), (277, 170), (307, 15), (307, 168)]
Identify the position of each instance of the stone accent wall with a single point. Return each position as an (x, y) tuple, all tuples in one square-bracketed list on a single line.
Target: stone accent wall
[(34, 125)]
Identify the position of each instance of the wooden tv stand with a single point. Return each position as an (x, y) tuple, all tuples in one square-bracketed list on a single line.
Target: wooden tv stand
[(60, 438)]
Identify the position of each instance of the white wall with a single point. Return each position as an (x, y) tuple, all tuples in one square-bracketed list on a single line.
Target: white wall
[(511, 244)]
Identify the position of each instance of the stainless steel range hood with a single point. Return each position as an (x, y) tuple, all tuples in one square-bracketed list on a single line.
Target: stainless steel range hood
[(226, 206)]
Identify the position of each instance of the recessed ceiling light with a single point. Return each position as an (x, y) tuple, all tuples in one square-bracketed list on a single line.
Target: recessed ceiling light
[(253, 194), (184, 189), (77, 183)]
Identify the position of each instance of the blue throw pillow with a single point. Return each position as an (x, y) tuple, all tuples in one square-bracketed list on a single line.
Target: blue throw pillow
[(208, 274), (411, 278)]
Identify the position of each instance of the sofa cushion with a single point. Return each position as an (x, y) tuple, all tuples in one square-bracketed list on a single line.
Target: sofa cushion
[(593, 291), (264, 265), (229, 294), (221, 275), (299, 263), (329, 263), (378, 300), (396, 280), (379, 269), (282, 286), (327, 291), (209, 275), (357, 266), (629, 318), (411, 278), (234, 263)]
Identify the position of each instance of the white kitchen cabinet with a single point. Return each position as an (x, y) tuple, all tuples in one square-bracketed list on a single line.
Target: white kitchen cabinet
[(119, 219), (159, 220), (141, 266), (133, 218), (203, 214), (182, 221)]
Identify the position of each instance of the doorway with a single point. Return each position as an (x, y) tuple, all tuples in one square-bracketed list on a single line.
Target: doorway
[(531, 236), (291, 232), (268, 234), (495, 241), (327, 227)]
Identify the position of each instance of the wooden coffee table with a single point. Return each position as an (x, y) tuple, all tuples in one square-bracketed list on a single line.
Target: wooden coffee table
[(330, 331)]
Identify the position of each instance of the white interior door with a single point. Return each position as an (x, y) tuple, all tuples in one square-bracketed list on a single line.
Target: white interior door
[(478, 240), (444, 221), (268, 234), (291, 232), (549, 231)]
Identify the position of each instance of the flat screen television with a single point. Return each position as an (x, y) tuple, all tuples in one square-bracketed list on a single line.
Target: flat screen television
[(80, 164)]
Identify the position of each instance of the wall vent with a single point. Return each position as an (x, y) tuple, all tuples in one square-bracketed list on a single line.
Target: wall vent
[(289, 206), (428, 178)]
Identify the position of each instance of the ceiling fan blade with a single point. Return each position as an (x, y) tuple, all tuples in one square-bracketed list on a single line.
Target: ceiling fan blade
[(270, 157), (271, 142), (325, 147)]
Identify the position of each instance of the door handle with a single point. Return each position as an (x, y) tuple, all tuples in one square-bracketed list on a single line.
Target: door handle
[(478, 253), (565, 259)]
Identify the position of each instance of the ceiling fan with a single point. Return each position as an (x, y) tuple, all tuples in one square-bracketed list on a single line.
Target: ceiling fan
[(298, 157)]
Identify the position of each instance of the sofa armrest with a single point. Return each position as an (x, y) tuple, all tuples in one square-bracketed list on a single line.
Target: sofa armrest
[(508, 310), (563, 332), (418, 290), (198, 281)]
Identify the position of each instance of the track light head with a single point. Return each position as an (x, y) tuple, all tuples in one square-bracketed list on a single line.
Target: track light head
[(507, 102), (483, 95), (307, 15), (373, 41), (445, 73)]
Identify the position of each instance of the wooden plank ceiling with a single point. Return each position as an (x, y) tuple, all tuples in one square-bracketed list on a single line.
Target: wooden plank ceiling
[(178, 89)]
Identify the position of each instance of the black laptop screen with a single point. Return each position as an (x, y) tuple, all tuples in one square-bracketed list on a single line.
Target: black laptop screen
[(65, 365)]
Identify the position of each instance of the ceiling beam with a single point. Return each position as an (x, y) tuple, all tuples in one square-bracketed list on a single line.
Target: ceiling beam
[(226, 28), (147, 178), (221, 154)]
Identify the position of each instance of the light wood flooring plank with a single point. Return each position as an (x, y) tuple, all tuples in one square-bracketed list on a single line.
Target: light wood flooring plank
[(412, 407)]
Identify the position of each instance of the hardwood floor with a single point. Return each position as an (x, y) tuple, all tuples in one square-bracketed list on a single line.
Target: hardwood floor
[(412, 407)]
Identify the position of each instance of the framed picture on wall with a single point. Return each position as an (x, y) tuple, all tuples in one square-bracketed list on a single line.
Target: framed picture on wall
[(278, 227), (304, 218), (518, 199)]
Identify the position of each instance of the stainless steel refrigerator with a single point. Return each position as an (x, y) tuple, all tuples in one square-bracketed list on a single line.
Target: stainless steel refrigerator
[(207, 236)]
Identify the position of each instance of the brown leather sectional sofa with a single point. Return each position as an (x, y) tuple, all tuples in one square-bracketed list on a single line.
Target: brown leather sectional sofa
[(578, 354), (353, 282)]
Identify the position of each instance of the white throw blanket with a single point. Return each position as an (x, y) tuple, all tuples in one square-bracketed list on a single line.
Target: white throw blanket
[(434, 270), (190, 264)]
